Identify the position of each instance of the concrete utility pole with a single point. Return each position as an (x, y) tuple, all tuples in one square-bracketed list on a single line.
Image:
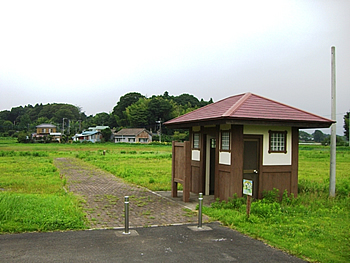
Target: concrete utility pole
[(349, 127), (160, 129), (63, 125), (333, 130)]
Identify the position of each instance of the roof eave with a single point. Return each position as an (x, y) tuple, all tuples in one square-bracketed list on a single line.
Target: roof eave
[(242, 121)]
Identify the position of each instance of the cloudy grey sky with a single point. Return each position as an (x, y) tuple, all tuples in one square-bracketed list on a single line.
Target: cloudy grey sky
[(89, 53)]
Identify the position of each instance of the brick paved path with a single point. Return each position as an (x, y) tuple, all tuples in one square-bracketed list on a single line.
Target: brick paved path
[(103, 198)]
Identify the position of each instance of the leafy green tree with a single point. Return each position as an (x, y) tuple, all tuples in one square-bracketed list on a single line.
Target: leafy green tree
[(75, 127), (187, 99), (101, 119), (339, 140), (203, 103), (4, 115), (319, 136), (88, 122), (23, 137), (159, 108), (62, 114), (120, 109), (46, 112), (24, 122), (304, 136), (138, 113), (7, 125), (112, 122), (15, 114), (106, 134), (166, 95), (180, 137), (42, 120), (34, 112)]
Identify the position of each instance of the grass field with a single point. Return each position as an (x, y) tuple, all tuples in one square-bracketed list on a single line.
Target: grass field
[(32, 197), (311, 226)]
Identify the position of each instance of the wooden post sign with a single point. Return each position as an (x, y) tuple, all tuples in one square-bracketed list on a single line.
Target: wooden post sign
[(248, 190)]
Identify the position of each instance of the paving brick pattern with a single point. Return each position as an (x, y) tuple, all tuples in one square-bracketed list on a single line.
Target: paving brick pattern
[(103, 194)]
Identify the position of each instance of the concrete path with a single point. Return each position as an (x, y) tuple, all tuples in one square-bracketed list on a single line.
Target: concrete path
[(103, 196), (181, 243)]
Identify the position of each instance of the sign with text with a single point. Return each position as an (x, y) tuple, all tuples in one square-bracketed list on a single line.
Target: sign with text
[(247, 187)]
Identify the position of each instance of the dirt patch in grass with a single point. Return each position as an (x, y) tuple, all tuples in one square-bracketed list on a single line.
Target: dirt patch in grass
[(102, 197)]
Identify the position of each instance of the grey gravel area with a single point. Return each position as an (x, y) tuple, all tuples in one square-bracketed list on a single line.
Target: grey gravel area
[(102, 196)]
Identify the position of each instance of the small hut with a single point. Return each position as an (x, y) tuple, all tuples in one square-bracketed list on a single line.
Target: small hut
[(244, 136)]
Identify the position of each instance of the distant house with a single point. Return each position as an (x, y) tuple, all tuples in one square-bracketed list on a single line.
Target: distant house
[(133, 135), (93, 134), (44, 130)]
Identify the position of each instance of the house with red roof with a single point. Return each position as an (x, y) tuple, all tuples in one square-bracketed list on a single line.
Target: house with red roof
[(242, 137)]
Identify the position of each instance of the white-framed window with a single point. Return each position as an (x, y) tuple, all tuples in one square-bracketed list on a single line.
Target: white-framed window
[(277, 141), (131, 140), (225, 140)]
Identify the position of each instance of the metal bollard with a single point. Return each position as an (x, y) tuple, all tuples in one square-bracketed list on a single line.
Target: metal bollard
[(200, 210), (126, 211)]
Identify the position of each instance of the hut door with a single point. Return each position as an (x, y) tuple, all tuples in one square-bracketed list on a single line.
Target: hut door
[(251, 161), (210, 166)]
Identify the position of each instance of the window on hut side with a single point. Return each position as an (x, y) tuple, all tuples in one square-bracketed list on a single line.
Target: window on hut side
[(277, 141), (196, 141), (225, 141)]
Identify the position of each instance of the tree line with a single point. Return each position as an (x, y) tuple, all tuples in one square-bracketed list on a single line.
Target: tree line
[(133, 110), (319, 137)]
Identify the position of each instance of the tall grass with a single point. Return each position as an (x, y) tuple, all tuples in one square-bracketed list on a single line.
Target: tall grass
[(25, 174), (151, 169), (312, 226), (32, 212), (32, 197)]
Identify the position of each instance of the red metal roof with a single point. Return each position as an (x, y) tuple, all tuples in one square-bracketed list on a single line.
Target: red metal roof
[(251, 107)]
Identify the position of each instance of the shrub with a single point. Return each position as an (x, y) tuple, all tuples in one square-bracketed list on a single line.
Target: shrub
[(267, 210), (233, 203), (307, 186), (271, 196)]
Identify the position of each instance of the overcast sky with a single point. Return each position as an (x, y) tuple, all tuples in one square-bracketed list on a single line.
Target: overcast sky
[(89, 54)]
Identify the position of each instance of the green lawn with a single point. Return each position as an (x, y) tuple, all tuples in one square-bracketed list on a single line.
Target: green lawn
[(311, 226), (145, 165), (32, 197)]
